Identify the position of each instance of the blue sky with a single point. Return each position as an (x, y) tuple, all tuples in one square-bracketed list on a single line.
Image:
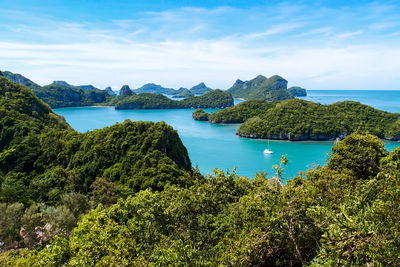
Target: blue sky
[(318, 45)]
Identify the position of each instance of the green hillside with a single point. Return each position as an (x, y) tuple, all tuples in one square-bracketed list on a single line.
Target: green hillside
[(273, 88)]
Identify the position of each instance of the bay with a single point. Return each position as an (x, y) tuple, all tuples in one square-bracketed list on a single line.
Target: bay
[(217, 146)]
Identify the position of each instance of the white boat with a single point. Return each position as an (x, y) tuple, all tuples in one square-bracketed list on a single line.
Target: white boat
[(267, 151)]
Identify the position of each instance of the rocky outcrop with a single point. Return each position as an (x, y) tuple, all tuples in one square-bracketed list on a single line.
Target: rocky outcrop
[(87, 87), (278, 83), (110, 92), (125, 91), (297, 91)]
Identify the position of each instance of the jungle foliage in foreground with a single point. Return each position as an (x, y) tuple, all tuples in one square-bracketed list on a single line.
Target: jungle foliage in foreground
[(125, 196), (345, 213)]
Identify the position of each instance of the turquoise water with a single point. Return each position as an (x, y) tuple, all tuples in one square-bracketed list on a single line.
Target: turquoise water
[(217, 146)]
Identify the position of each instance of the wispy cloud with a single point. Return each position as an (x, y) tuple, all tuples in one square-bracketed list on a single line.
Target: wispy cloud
[(276, 29), (348, 35)]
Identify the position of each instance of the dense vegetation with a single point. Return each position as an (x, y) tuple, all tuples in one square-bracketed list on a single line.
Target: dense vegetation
[(345, 213), (214, 99), (240, 112), (125, 195), (304, 120), (42, 158), (200, 115), (273, 88)]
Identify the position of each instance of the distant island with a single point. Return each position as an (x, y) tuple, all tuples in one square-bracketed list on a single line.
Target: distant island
[(298, 119), (62, 94), (213, 99), (261, 87)]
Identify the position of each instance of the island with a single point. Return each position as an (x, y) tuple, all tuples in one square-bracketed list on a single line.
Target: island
[(238, 113), (297, 120), (200, 115), (213, 99), (261, 87), (62, 94), (183, 93)]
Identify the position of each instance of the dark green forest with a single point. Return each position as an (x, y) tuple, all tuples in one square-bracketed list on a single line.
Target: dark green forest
[(305, 120), (271, 89), (212, 99), (127, 195)]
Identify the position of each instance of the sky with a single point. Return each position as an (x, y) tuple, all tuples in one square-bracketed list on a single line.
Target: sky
[(324, 45)]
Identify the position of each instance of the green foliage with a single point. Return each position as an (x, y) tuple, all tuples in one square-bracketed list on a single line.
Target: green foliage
[(241, 112), (42, 158), (344, 213), (213, 99), (10, 221), (304, 120), (359, 153), (273, 88), (200, 115)]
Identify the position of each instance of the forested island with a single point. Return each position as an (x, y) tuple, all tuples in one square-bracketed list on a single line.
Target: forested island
[(261, 87), (62, 94), (151, 96), (298, 119), (212, 99), (127, 195)]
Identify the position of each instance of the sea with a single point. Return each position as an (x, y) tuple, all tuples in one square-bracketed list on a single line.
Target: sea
[(212, 146)]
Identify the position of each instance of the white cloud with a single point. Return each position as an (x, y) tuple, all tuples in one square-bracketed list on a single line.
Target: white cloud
[(217, 62)]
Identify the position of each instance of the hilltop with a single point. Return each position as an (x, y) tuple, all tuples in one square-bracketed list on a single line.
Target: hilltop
[(261, 87)]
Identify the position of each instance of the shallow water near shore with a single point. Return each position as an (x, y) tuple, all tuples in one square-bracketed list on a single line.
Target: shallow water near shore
[(217, 146)]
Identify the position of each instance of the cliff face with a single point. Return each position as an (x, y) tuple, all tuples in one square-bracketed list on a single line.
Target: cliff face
[(297, 91), (126, 91)]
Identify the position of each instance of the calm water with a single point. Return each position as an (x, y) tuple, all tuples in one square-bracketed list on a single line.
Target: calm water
[(216, 146)]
